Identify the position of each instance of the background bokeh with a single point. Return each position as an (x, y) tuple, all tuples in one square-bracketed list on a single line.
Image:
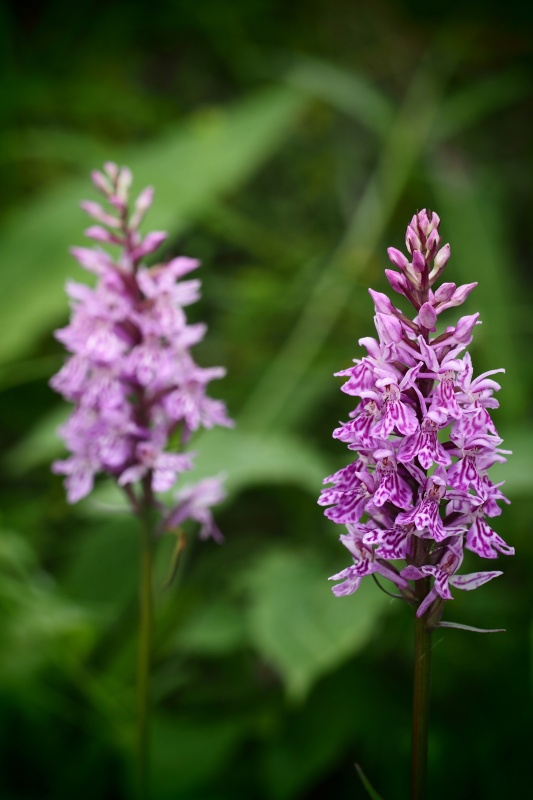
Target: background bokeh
[(289, 144)]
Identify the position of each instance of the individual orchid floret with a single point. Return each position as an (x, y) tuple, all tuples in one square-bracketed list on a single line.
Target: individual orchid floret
[(195, 502), (364, 563), (475, 454), (425, 515), (419, 488), (399, 283), (353, 489), (476, 396), (397, 258), (462, 333), (393, 543), (427, 317), (440, 261), (397, 414), (424, 444), (444, 371), (138, 393), (358, 431), (480, 537), (444, 576), (392, 487)]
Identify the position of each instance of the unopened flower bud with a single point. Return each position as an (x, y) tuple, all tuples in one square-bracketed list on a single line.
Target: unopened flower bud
[(94, 260), (420, 222), (381, 302), (462, 292), (397, 258), (100, 234), (145, 199), (389, 328), (433, 223), (427, 316), (419, 262), (142, 204), (412, 241), (149, 244), (96, 211), (101, 182), (397, 281), (124, 183), (441, 259), (432, 243), (444, 292), (112, 170), (464, 328)]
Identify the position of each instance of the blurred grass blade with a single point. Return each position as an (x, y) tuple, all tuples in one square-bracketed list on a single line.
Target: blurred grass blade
[(474, 102), (192, 165), (340, 278), (462, 627), (52, 145), (349, 92), (366, 783)]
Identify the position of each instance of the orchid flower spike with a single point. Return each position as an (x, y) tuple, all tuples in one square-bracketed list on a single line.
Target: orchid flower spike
[(419, 492)]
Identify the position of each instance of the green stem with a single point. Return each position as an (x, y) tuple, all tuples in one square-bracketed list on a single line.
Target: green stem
[(421, 693), (146, 617)]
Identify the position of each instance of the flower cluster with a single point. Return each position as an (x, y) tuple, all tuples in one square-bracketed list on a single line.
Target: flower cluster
[(138, 393), (418, 492)]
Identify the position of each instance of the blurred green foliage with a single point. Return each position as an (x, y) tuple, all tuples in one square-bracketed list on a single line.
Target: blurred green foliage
[(288, 144)]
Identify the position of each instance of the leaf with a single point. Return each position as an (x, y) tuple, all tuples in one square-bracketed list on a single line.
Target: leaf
[(298, 625), (33, 369), (192, 165), (248, 458), (212, 630), (298, 756), (40, 445), (40, 626), (188, 754), (112, 542)]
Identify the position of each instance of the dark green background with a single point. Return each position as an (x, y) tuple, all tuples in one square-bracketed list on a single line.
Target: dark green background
[(289, 145)]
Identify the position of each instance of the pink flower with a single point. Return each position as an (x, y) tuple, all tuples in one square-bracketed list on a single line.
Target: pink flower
[(419, 488), (137, 390)]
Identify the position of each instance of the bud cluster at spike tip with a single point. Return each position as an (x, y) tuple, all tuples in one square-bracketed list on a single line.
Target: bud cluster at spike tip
[(418, 492), (131, 376)]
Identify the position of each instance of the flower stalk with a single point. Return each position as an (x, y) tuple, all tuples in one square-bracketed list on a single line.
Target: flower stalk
[(421, 698), (145, 647)]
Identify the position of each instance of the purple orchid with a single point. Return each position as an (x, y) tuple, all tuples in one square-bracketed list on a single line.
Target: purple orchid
[(137, 390), (419, 490)]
